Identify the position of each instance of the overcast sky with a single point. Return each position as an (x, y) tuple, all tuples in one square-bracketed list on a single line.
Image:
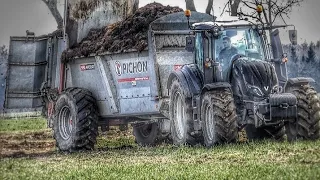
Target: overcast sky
[(16, 16)]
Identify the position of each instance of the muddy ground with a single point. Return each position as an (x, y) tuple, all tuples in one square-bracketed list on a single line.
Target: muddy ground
[(130, 33), (14, 144), (42, 143)]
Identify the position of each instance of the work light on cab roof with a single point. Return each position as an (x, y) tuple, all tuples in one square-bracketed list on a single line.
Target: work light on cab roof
[(187, 13)]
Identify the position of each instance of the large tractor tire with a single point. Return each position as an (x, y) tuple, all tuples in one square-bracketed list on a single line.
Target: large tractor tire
[(180, 112), (275, 132), (146, 134), (75, 120), (307, 124), (219, 117)]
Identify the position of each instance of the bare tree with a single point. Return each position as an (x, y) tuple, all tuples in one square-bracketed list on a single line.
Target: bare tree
[(263, 11), (271, 9), (52, 5)]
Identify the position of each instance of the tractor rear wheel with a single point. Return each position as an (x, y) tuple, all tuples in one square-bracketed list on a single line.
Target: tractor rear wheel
[(307, 124), (75, 120), (180, 112), (219, 117)]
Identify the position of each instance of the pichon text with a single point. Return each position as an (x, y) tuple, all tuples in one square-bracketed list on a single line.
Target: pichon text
[(131, 67)]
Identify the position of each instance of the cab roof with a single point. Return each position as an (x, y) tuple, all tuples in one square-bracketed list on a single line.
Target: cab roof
[(225, 24)]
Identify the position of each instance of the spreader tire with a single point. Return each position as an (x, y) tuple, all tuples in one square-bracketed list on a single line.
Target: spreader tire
[(146, 134), (75, 120)]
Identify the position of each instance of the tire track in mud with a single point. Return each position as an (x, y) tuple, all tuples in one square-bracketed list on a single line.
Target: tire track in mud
[(20, 144), (41, 144), (37, 144)]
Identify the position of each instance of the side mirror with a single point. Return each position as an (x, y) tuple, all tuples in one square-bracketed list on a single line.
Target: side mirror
[(293, 37), (190, 43)]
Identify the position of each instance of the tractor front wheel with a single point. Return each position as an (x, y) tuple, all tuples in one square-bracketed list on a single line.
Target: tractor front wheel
[(307, 124), (219, 117)]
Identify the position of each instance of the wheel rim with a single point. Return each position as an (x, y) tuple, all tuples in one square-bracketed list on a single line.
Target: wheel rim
[(146, 130), (179, 116), (209, 120), (65, 123)]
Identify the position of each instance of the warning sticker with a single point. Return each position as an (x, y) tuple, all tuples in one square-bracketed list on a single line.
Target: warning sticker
[(84, 67), (177, 67)]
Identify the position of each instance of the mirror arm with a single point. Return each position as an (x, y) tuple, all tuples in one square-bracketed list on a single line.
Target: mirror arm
[(281, 26)]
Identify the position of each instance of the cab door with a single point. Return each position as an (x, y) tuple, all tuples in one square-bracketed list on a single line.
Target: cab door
[(280, 67)]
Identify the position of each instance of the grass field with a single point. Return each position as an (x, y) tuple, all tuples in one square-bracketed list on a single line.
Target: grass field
[(118, 157)]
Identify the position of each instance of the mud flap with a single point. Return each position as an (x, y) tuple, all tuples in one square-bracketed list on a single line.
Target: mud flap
[(298, 81)]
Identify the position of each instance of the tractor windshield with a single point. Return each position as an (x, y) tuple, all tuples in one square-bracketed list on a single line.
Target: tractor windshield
[(237, 41)]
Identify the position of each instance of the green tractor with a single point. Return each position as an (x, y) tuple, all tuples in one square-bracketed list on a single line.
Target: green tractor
[(238, 81)]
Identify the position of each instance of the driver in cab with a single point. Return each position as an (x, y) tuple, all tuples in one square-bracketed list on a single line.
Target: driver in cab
[(227, 52)]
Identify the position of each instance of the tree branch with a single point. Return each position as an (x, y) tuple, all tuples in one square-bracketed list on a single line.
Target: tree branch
[(272, 9), (52, 5), (265, 16), (224, 8), (283, 19), (281, 10), (246, 3), (251, 16)]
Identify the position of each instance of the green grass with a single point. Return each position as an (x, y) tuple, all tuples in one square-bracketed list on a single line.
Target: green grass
[(7, 125), (265, 160), (119, 158)]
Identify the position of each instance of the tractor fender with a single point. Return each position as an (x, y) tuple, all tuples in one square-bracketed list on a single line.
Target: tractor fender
[(217, 85), (298, 81), (190, 78)]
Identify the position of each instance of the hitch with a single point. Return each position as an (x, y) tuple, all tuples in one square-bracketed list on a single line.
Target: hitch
[(284, 105)]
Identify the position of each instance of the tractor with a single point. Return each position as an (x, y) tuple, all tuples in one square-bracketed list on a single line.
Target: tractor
[(222, 92)]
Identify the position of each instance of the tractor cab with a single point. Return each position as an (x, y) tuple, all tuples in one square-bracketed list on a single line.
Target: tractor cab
[(219, 44), (235, 53)]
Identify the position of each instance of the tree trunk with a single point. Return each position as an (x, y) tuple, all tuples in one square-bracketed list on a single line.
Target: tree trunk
[(234, 7), (190, 5), (135, 6), (209, 7), (71, 28), (52, 5)]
